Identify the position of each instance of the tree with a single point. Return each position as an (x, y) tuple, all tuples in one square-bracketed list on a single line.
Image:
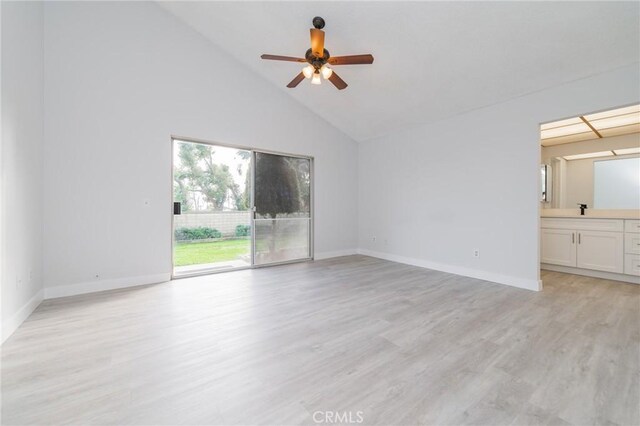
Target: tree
[(180, 189), (303, 174), (198, 179), (277, 190), (244, 202)]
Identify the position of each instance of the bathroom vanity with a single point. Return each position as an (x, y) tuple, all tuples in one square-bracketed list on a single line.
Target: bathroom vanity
[(604, 244)]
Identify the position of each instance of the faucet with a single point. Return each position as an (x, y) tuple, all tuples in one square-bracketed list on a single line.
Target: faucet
[(582, 208)]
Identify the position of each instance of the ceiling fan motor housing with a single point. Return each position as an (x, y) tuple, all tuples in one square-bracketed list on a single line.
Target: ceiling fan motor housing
[(316, 61)]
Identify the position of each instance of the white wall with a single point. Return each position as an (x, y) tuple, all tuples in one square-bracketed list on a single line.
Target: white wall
[(120, 79), (22, 124), (434, 193)]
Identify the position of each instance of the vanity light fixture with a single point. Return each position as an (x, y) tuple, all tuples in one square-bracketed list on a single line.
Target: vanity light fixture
[(614, 122), (588, 155), (627, 151)]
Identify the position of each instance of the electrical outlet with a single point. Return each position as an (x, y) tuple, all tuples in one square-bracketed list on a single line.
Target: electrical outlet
[(476, 252)]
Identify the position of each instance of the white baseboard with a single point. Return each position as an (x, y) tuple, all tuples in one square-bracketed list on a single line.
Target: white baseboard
[(54, 292), (589, 273), (528, 284), (12, 324), (337, 253)]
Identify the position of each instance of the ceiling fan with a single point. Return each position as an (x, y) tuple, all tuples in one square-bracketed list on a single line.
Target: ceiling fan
[(318, 60)]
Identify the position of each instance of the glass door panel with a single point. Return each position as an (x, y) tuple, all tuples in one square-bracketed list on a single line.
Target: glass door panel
[(212, 215), (282, 200)]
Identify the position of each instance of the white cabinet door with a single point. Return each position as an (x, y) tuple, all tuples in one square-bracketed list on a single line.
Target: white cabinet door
[(632, 264), (631, 243), (558, 247), (601, 251), (632, 226)]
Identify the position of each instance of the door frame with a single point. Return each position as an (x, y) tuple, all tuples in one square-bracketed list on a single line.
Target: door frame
[(253, 151)]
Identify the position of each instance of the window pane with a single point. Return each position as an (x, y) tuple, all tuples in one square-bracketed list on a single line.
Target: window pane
[(281, 240), (212, 185)]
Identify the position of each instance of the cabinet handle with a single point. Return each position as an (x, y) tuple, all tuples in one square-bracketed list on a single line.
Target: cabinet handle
[(579, 238), (573, 238)]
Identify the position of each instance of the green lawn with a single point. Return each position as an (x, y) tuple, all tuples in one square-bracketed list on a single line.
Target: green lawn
[(210, 251)]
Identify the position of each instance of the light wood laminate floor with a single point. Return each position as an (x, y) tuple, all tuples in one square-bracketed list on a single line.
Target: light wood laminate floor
[(400, 344)]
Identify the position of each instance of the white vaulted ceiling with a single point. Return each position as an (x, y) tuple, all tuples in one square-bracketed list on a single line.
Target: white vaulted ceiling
[(432, 59)]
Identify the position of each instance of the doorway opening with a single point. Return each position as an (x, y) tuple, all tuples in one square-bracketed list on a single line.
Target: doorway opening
[(590, 194), (238, 208)]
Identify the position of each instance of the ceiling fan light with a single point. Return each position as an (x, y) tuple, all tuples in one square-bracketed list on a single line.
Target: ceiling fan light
[(316, 78), (308, 71), (326, 71)]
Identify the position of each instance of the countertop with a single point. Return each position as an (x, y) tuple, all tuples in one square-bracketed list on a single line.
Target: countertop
[(591, 214)]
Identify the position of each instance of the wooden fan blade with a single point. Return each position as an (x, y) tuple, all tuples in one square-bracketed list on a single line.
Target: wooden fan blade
[(283, 58), (317, 42), (351, 60), (296, 81), (337, 81)]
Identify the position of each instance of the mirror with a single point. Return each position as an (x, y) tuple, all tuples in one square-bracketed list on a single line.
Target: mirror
[(592, 159), (602, 182), (616, 183)]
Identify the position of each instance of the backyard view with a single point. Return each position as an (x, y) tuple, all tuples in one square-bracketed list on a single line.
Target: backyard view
[(194, 253), (212, 185), (213, 230)]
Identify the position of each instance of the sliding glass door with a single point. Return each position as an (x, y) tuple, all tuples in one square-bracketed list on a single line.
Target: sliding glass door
[(238, 208), (282, 219)]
